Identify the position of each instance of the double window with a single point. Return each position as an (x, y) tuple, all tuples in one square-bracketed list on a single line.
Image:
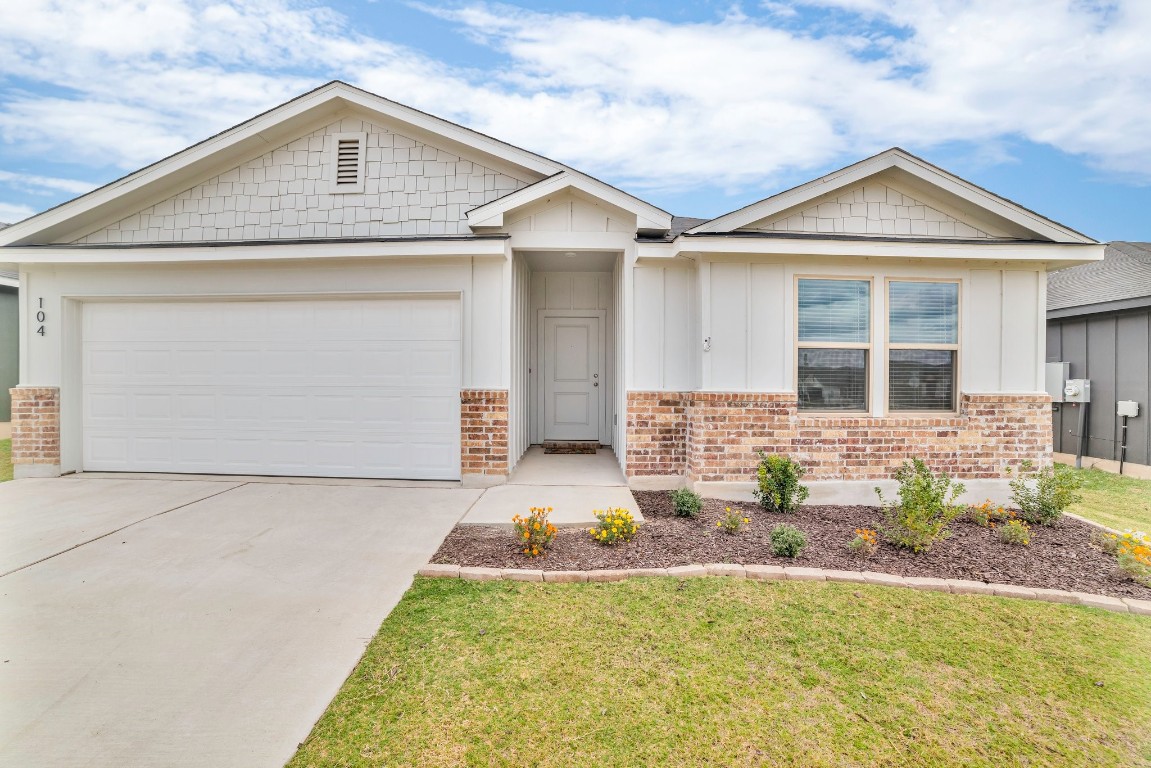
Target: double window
[(835, 344)]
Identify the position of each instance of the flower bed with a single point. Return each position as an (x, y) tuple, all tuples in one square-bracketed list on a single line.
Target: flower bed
[(1059, 557)]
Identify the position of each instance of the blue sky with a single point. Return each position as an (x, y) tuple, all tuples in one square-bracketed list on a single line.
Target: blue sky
[(698, 107)]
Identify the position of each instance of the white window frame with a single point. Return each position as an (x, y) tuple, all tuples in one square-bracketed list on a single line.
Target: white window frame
[(868, 345), (889, 345)]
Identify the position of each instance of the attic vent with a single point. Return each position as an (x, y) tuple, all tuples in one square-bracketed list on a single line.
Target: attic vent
[(347, 164)]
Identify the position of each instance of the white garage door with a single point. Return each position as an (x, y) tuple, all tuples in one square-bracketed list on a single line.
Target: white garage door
[(365, 388)]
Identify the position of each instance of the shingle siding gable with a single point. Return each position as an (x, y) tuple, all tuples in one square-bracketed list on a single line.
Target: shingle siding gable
[(410, 188)]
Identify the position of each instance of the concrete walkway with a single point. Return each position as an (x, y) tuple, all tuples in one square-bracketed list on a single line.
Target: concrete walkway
[(193, 623), (574, 485)]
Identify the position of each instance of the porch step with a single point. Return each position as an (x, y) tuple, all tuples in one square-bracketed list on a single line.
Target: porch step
[(571, 446)]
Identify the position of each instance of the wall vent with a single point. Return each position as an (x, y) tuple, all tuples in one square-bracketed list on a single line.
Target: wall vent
[(347, 162)]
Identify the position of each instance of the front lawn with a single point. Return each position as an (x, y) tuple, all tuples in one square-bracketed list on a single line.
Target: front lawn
[(716, 671), (5, 460), (1117, 501)]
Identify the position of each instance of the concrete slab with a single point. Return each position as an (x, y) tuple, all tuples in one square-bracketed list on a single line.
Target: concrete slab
[(572, 505), (538, 468), (212, 635), (366, 482), (40, 517)]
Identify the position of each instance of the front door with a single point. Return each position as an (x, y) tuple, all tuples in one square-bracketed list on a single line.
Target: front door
[(572, 378)]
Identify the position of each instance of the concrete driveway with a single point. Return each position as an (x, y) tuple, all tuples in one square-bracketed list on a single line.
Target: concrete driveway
[(159, 623)]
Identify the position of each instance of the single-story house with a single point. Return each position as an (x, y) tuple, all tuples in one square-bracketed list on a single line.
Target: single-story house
[(346, 286), (1099, 322)]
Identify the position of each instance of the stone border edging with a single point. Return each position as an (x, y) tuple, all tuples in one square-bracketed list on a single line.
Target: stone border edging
[(790, 573)]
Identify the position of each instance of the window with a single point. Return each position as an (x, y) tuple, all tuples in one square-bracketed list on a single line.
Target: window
[(834, 333), (923, 345)]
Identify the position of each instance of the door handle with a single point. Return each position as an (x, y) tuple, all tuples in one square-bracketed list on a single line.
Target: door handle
[(596, 384)]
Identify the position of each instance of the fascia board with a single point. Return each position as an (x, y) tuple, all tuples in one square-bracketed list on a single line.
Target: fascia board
[(1055, 254), (493, 214), (494, 246), (893, 158), (261, 133)]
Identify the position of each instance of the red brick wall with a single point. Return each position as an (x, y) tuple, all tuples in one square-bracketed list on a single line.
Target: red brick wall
[(484, 432), (35, 425), (656, 433), (723, 430)]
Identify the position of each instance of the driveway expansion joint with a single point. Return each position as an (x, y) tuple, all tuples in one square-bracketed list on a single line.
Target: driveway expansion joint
[(767, 572)]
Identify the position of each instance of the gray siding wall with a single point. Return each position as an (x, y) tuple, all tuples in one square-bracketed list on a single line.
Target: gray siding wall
[(1112, 350), (9, 349)]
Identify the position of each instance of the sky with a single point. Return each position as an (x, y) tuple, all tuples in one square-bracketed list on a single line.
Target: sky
[(697, 107)]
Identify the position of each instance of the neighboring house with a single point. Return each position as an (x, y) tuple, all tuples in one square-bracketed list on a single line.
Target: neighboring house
[(9, 338), (1099, 321), (345, 286)]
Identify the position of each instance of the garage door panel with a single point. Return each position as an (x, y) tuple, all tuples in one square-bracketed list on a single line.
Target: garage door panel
[(357, 389)]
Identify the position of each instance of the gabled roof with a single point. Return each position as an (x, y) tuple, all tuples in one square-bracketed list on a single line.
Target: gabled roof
[(919, 175), (259, 134), (647, 215), (1121, 279)]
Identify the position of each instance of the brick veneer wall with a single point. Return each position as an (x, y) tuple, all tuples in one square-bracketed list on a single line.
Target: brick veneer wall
[(484, 432), (35, 426), (722, 430)]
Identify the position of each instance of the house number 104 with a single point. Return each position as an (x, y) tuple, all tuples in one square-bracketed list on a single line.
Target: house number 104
[(41, 317)]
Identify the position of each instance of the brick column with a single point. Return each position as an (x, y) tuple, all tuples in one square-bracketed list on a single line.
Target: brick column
[(483, 436), (656, 433), (36, 431)]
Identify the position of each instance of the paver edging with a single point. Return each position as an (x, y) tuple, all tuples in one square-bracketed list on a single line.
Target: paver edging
[(762, 572)]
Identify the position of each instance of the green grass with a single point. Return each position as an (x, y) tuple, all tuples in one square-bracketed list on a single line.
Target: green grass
[(1116, 501), (5, 460), (657, 672)]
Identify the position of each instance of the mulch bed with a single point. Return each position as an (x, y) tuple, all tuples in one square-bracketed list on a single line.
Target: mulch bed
[(1059, 557)]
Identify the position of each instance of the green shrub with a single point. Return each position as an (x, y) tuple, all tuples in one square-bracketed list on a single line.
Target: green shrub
[(787, 540), (1042, 495), (1015, 532), (926, 506), (687, 502), (777, 488)]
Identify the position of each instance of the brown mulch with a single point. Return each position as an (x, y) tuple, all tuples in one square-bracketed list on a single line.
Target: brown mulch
[(1059, 556)]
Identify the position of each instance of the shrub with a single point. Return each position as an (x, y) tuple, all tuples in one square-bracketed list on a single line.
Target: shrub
[(925, 508), (615, 525), (865, 543), (988, 514), (687, 502), (731, 522), (1133, 551), (534, 533), (1015, 532), (777, 487), (1043, 495), (787, 540)]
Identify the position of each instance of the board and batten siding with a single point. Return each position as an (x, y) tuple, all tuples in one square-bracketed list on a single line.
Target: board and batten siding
[(410, 188), (748, 312), (665, 335), (1113, 350)]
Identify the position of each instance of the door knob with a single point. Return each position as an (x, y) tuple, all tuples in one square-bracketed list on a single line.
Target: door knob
[(596, 384)]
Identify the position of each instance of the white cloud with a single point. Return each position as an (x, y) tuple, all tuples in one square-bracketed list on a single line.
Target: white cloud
[(40, 184), (10, 214), (645, 103)]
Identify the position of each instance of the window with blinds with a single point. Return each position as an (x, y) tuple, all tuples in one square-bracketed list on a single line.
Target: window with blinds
[(834, 336), (923, 345)]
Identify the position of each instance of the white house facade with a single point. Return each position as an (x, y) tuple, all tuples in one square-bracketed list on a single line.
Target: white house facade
[(347, 287)]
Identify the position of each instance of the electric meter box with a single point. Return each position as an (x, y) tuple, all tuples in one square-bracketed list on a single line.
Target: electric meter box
[(1055, 376), (1077, 391)]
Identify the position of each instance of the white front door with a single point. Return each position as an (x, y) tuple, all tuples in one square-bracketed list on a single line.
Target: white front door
[(572, 378)]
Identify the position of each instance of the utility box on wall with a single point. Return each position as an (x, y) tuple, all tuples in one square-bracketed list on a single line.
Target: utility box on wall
[(1077, 391), (1055, 378)]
